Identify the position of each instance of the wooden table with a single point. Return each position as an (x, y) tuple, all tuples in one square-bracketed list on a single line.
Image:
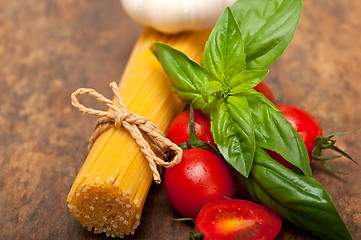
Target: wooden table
[(49, 49)]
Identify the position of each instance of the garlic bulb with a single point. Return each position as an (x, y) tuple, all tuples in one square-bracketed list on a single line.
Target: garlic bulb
[(173, 16)]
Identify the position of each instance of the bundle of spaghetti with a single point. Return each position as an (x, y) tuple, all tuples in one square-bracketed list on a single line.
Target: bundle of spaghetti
[(110, 189)]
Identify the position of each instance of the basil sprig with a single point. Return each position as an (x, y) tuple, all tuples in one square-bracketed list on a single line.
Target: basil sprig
[(299, 199), (223, 89), (249, 36)]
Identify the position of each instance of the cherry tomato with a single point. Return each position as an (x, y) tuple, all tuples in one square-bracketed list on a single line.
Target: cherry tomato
[(200, 177), (305, 124), (179, 128), (230, 219), (265, 90)]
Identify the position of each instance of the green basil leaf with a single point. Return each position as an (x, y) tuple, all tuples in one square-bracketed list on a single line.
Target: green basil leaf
[(186, 74), (199, 103), (233, 131), (211, 89), (224, 54), (297, 198), (195, 99), (274, 132), (246, 79), (267, 28)]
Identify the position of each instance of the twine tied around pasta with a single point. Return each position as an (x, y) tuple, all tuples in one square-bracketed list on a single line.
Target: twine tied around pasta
[(136, 125)]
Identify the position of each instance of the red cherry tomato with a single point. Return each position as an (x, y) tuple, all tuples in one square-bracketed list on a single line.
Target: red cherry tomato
[(200, 177), (265, 90), (230, 219), (179, 128), (305, 124)]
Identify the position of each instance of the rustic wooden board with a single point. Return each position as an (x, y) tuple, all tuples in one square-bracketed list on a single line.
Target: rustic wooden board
[(50, 48)]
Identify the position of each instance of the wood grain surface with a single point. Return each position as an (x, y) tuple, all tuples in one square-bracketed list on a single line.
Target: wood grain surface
[(48, 49)]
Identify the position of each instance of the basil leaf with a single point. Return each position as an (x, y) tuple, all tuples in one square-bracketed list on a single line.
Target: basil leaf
[(199, 103), (246, 80), (297, 198), (224, 54), (185, 73), (210, 89), (187, 76), (274, 132), (233, 131), (194, 98), (267, 28)]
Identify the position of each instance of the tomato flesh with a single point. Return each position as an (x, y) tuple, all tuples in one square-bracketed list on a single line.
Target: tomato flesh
[(233, 225), (179, 128), (200, 177), (237, 219)]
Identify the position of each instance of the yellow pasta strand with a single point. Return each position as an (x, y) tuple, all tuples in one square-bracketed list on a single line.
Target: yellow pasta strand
[(110, 189)]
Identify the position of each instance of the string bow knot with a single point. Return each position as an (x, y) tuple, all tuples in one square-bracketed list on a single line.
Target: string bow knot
[(136, 125)]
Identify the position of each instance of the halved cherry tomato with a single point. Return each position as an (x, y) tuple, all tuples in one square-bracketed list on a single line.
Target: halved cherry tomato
[(200, 177), (230, 219), (305, 124), (265, 90), (179, 128)]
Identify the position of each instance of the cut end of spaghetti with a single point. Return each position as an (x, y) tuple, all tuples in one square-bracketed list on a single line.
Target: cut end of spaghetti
[(105, 209)]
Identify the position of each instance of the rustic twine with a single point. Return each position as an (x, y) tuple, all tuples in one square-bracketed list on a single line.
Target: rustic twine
[(136, 125)]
